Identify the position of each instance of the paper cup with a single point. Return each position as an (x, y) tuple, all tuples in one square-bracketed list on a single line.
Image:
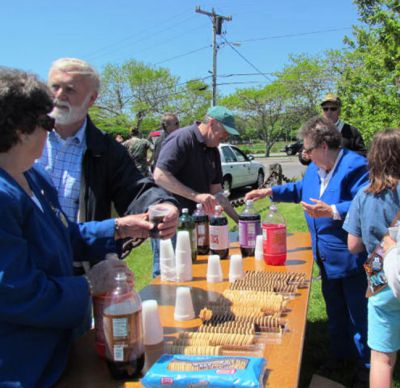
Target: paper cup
[(184, 310), (214, 270), (235, 268), (258, 253), (153, 332)]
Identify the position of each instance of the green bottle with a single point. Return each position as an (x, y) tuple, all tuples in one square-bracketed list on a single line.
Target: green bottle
[(186, 222)]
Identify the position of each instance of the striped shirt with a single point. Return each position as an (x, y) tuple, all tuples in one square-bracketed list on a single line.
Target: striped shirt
[(62, 159)]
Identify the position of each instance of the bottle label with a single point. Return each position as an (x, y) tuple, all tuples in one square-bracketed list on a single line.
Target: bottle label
[(202, 234), (248, 231), (119, 352), (120, 327), (219, 237), (274, 236)]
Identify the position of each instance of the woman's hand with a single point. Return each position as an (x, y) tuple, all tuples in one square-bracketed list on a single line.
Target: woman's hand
[(134, 226), (258, 194), (319, 210)]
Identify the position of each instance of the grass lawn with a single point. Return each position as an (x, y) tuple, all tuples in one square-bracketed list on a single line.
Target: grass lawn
[(316, 342)]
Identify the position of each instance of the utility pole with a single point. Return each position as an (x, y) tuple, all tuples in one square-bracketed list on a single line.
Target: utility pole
[(217, 21)]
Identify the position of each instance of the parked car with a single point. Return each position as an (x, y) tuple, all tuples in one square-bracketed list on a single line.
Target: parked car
[(293, 149), (239, 169)]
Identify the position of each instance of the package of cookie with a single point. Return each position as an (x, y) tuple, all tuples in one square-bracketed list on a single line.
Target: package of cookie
[(205, 371)]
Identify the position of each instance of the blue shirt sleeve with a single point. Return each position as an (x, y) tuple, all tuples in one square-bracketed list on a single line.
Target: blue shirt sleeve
[(352, 222)]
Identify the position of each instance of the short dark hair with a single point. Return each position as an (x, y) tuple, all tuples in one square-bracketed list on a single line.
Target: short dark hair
[(321, 130), (23, 99)]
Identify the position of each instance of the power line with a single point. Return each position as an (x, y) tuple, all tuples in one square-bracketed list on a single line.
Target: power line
[(183, 55)]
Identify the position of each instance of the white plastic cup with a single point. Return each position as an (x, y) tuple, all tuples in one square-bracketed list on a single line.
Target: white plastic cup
[(258, 253), (184, 271), (153, 332), (235, 268), (183, 241), (167, 261), (156, 216), (184, 310), (214, 270), (166, 249)]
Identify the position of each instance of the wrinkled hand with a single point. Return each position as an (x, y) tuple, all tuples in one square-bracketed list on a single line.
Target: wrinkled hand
[(170, 222), (134, 226), (319, 210), (102, 276), (258, 194), (388, 243), (208, 201)]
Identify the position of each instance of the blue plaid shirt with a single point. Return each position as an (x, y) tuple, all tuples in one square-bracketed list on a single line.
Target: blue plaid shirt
[(62, 159)]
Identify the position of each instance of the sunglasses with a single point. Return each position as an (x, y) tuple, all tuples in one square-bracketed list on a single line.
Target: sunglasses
[(309, 150), (331, 108), (46, 122)]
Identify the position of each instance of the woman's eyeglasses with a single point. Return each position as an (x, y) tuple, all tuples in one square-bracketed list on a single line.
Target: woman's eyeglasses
[(46, 122), (331, 108)]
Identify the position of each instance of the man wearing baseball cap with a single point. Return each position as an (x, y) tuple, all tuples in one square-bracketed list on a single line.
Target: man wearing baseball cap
[(189, 164), (351, 137)]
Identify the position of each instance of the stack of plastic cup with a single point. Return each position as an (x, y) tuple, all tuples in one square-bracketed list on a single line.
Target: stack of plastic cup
[(214, 270), (167, 261), (184, 310), (258, 253), (183, 256), (235, 268), (153, 333)]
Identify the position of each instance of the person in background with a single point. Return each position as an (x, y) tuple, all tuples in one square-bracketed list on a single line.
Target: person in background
[(169, 124), (351, 137), (381, 199), (119, 138), (41, 301), (325, 193), (89, 169), (140, 150)]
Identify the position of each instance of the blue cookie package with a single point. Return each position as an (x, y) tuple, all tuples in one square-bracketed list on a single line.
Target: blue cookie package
[(205, 371)]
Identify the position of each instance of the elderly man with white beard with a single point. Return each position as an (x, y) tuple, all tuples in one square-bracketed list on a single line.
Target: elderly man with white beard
[(88, 167)]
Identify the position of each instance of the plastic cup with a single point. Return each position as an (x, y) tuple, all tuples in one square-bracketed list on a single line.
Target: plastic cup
[(167, 261), (184, 310), (214, 270), (153, 332), (183, 241), (258, 253), (183, 266), (235, 268), (156, 216), (166, 249)]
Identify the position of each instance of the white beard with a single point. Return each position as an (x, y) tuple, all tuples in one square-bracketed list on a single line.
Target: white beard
[(65, 114)]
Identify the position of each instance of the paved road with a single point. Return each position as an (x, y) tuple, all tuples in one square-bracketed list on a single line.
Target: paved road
[(291, 168)]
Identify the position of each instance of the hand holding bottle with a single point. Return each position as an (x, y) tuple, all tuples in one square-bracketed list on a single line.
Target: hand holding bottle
[(101, 276)]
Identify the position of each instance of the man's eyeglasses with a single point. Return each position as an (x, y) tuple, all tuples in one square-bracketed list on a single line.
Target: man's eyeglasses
[(46, 122), (308, 150), (331, 108)]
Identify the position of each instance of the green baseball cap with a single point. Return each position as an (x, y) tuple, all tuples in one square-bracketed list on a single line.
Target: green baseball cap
[(225, 117)]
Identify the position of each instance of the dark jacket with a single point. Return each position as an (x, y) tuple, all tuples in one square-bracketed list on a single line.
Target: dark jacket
[(352, 140), (109, 176)]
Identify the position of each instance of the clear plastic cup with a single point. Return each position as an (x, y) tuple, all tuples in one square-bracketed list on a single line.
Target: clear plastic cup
[(153, 332), (156, 216), (258, 253)]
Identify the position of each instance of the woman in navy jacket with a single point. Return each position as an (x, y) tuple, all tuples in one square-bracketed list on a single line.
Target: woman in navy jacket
[(41, 302), (325, 193)]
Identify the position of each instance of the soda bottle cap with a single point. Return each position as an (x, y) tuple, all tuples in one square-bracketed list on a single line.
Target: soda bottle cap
[(273, 208), (199, 206), (218, 208), (249, 202), (185, 210)]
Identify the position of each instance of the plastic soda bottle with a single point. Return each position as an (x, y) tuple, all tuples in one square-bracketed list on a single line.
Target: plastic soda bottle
[(201, 225), (186, 223), (219, 235), (249, 229), (122, 322), (274, 237)]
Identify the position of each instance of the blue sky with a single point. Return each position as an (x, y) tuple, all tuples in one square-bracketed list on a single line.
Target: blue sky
[(163, 32)]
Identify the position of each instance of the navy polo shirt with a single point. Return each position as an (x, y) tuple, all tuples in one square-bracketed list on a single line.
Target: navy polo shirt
[(185, 155)]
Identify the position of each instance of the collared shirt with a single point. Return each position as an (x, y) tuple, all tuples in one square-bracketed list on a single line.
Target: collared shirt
[(325, 178), (62, 159), (339, 125)]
